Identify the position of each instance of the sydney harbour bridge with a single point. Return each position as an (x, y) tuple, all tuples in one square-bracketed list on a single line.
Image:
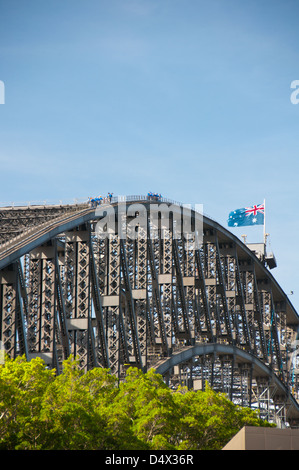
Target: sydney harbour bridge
[(142, 281)]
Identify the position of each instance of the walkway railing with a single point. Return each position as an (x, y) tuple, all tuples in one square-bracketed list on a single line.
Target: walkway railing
[(78, 201), (42, 203), (138, 198), (6, 246)]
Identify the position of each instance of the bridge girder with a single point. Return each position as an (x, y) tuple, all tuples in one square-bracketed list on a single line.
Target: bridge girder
[(139, 299)]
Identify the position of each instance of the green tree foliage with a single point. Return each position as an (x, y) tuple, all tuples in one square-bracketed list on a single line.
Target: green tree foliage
[(77, 410), (22, 388)]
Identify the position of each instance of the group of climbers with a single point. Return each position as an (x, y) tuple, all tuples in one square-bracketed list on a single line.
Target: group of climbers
[(154, 196), (95, 201)]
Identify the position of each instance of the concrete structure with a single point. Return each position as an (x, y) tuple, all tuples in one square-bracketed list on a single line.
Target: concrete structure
[(256, 438)]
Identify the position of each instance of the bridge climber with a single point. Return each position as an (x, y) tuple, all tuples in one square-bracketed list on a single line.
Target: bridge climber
[(141, 281)]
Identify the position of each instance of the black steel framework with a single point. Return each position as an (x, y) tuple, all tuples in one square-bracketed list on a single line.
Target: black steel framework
[(196, 312)]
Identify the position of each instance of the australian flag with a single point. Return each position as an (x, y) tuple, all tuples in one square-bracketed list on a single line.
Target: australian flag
[(253, 215)]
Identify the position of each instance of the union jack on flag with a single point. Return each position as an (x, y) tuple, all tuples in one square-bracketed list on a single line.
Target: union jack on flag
[(254, 215)]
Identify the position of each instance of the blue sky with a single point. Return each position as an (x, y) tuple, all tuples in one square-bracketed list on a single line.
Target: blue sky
[(188, 98)]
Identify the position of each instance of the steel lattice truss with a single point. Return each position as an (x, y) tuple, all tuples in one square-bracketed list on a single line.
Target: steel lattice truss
[(196, 312)]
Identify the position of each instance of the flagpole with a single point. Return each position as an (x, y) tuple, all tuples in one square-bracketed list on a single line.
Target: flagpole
[(265, 223)]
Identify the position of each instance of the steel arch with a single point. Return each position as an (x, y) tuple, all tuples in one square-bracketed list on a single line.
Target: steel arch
[(247, 381), (150, 296)]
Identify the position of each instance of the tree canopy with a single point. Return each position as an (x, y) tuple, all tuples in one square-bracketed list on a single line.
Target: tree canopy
[(93, 411)]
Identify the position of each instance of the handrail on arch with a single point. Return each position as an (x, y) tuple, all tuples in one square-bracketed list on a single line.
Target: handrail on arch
[(137, 198)]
